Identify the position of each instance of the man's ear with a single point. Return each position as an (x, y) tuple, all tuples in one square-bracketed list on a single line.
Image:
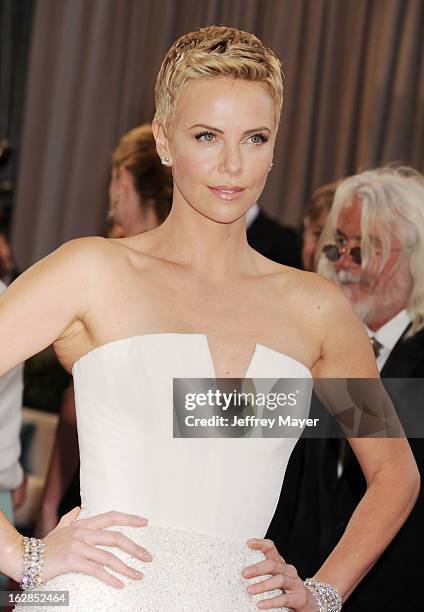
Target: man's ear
[(162, 144)]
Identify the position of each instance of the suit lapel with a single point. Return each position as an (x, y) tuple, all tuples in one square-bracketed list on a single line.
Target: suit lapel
[(406, 357)]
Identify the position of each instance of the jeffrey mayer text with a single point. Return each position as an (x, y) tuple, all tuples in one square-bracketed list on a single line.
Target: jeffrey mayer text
[(283, 421)]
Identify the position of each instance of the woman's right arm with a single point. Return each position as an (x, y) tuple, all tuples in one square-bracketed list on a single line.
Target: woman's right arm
[(46, 299), (37, 309)]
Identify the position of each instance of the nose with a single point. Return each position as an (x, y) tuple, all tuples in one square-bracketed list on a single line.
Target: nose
[(231, 161), (346, 262)]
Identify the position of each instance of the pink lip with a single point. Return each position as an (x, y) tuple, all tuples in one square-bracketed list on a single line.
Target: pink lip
[(227, 192)]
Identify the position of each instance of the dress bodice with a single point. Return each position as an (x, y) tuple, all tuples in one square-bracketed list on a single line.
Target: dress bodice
[(131, 462)]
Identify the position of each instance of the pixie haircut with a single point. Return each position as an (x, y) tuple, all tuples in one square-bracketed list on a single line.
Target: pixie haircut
[(213, 52)]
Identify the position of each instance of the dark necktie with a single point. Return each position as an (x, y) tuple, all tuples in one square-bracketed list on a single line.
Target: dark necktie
[(376, 346)]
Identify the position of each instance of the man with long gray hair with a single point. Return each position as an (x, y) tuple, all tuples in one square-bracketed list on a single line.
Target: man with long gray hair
[(373, 247)]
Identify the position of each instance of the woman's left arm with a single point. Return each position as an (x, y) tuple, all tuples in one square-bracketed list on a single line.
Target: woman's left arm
[(388, 465)]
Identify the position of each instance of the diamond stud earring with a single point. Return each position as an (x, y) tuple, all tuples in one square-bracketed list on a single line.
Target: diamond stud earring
[(270, 166), (165, 160)]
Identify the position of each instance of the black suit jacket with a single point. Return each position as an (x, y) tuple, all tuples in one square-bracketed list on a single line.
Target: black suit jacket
[(277, 242), (315, 507)]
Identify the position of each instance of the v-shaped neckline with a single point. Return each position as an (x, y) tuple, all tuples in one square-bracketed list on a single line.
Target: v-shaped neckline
[(204, 337), (213, 362)]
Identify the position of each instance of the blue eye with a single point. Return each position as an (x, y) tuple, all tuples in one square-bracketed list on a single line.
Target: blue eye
[(258, 138), (205, 137)]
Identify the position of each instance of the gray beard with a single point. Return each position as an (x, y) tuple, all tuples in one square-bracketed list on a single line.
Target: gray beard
[(366, 309)]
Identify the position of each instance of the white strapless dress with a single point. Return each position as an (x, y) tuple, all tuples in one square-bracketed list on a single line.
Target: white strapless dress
[(203, 497)]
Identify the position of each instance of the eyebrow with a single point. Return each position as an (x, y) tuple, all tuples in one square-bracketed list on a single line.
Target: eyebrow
[(214, 129), (343, 235)]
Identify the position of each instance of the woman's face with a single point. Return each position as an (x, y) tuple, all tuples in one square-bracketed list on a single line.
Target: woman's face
[(221, 146)]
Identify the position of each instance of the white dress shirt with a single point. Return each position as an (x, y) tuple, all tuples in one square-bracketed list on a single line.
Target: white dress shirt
[(389, 334), (11, 389)]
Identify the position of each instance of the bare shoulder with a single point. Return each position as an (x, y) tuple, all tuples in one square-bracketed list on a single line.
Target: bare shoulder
[(323, 316), (321, 294), (91, 259), (50, 297), (314, 292), (319, 299), (335, 325), (91, 250)]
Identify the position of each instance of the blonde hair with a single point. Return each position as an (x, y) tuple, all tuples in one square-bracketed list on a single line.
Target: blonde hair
[(216, 51), (393, 201), (137, 153)]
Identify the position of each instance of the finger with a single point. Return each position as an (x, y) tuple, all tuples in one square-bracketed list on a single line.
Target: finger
[(289, 600), (70, 517), (108, 519), (268, 566), (275, 582), (108, 559), (280, 581), (94, 569), (274, 602), (266, 546), (118, 540)]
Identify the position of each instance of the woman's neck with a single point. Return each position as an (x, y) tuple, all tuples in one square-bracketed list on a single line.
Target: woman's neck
[(217, 250)]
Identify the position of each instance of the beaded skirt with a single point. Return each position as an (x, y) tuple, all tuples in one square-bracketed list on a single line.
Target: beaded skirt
[(189, 572)]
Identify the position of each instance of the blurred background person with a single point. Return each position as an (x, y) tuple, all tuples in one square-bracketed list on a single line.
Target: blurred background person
[(140, 197), (314, 218), (8, 270), (373, 247), (140, 190)]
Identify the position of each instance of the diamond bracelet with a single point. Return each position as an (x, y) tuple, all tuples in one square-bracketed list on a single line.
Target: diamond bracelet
[(326, 596), (33, 562)]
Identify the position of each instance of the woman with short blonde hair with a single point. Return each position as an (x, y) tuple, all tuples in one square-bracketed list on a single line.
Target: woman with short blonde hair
[(235, 314)]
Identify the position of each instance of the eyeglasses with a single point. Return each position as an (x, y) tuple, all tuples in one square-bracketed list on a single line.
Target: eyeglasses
[(333, 252)]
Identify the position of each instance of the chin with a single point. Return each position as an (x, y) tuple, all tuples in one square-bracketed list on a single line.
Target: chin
[(224, 212), (227, 217)]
